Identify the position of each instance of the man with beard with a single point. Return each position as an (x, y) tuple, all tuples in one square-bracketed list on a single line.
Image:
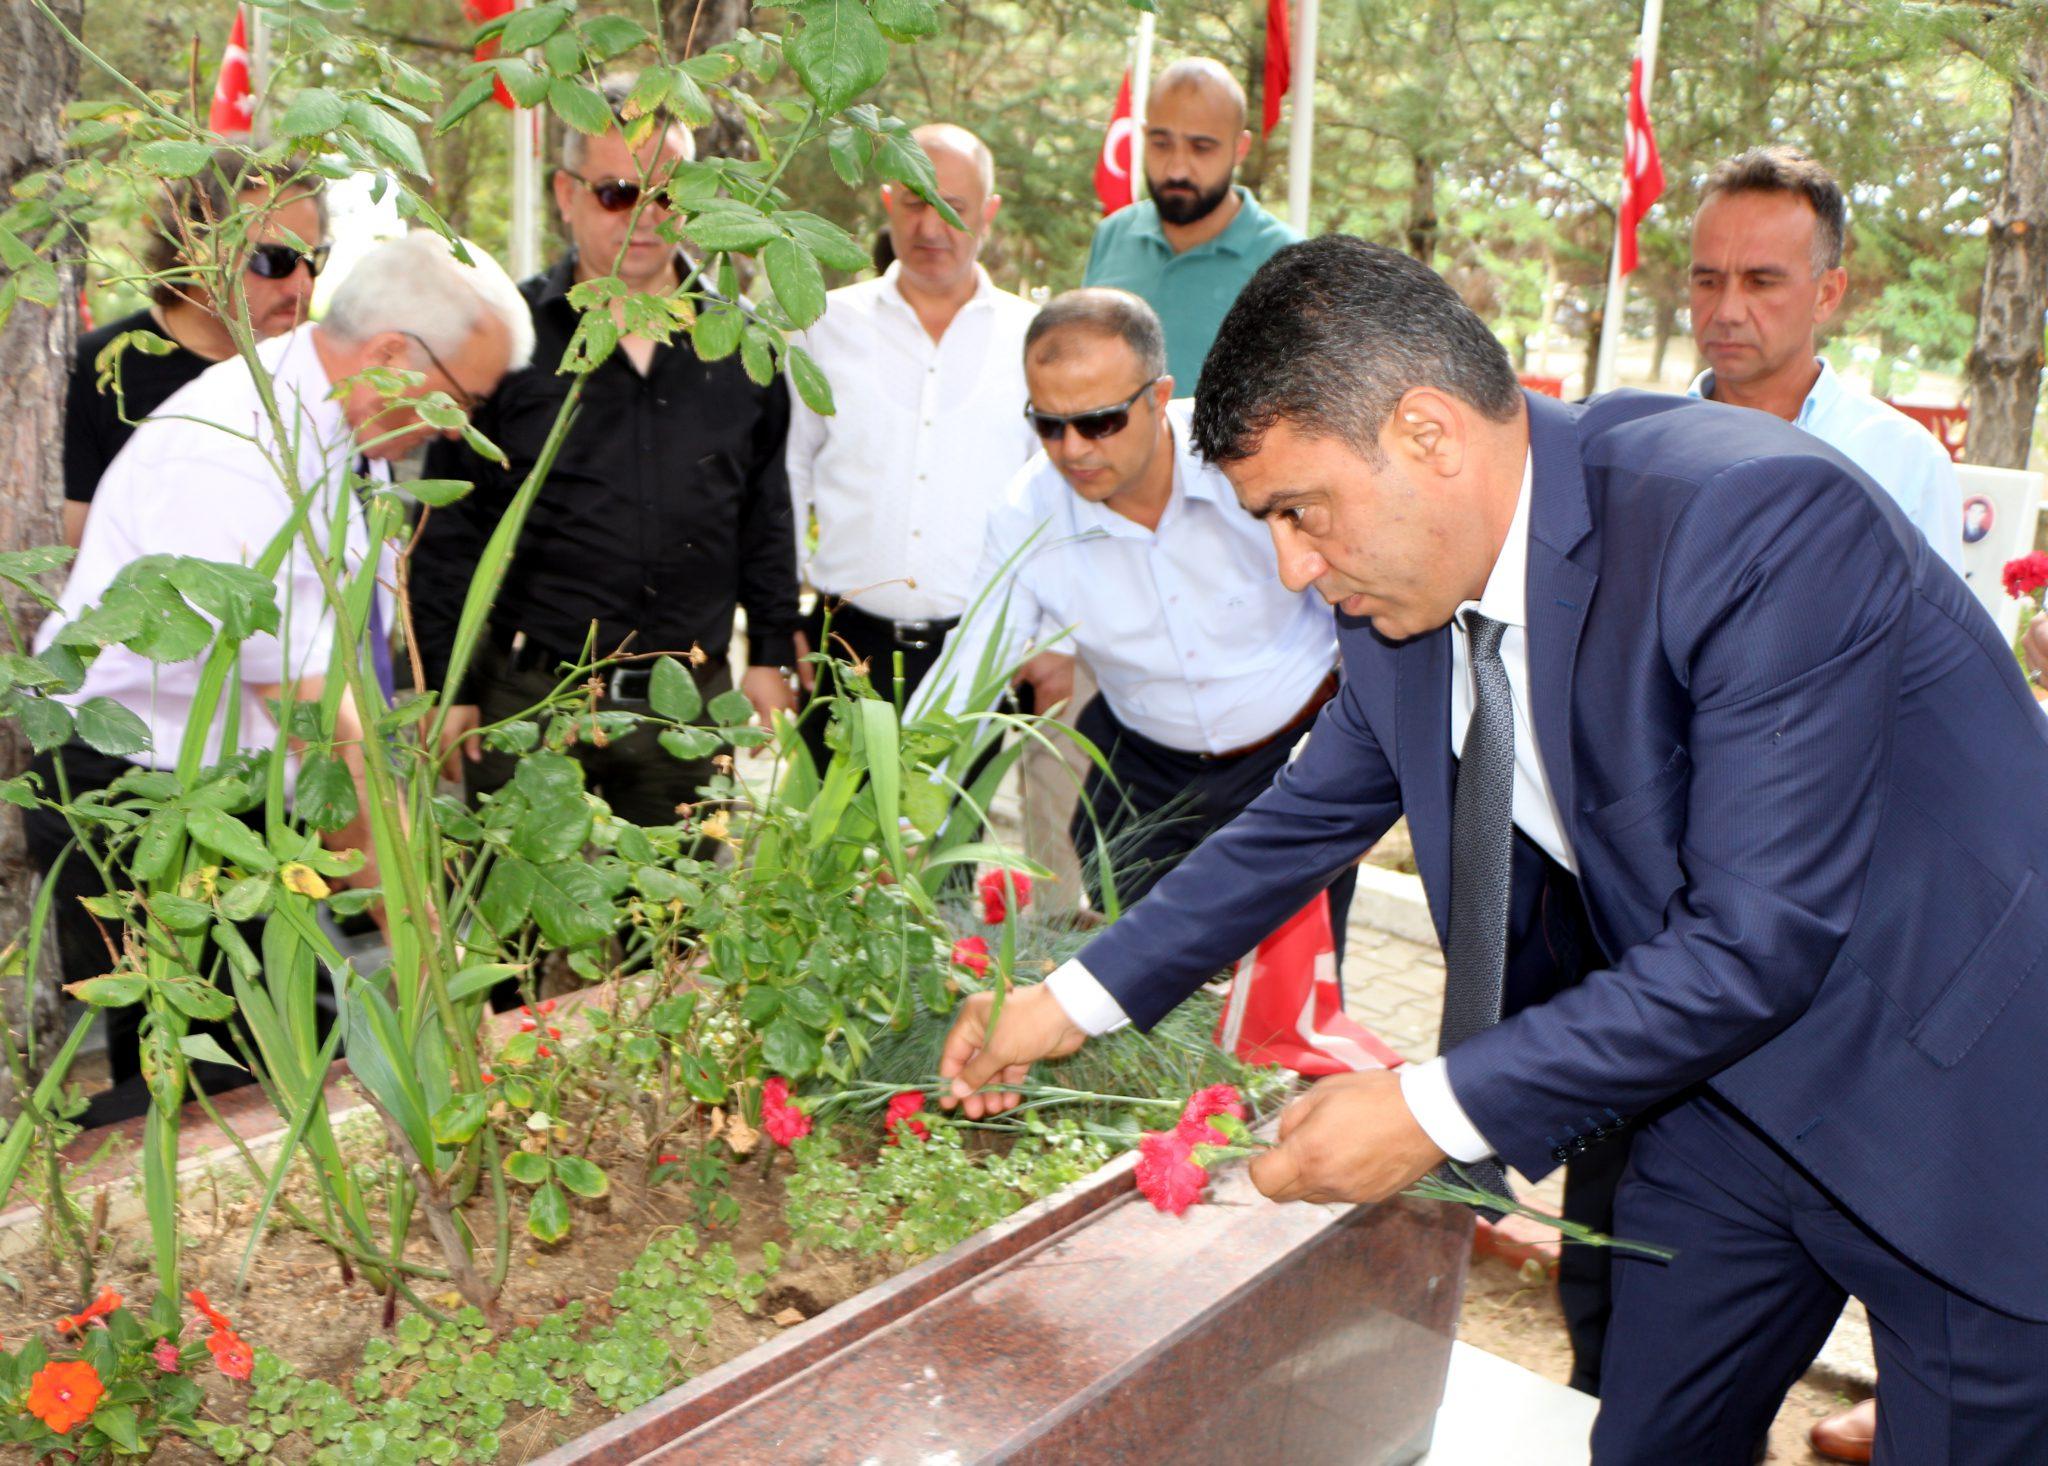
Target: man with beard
[(1190, 247)]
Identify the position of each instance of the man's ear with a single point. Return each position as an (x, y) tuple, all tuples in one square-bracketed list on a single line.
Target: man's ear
[(1428, 430), (1244, 145), (565, 192), (1162, 390), (388, 349), (988, 210), (888, 196), (1833, 286)]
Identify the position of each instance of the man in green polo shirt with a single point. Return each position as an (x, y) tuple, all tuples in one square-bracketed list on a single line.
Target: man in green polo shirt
[(1190, 247)]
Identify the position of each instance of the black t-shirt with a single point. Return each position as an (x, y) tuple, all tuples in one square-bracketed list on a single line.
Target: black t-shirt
[(93, 429)]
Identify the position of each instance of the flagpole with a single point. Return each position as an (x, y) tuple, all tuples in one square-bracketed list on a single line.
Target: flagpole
[(523, 248), (1301, 132), (1141, 93), (1617, 284)]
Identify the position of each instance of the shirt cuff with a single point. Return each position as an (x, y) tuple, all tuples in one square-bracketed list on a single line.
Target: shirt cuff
[(1086, 1001), (1426, 1088)]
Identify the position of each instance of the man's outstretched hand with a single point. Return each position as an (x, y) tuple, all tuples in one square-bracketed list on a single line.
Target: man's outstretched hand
[(1350, 1138), (1032, 1026)]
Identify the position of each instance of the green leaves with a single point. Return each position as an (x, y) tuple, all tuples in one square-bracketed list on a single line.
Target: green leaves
[(799, 283), (107, 726), (455, 1122), (228, 836), (838, 53), (906, 20), (809, 380), (47, 723), (728, 224), (571, 905), (109, 992), (716, 332), (325, 797), (581, 107), (788, 1047), (173, 157), (581, 1176), (389, 136), (673, 692), (547, 1215), (555, 820), (314, 111), (690, 744)]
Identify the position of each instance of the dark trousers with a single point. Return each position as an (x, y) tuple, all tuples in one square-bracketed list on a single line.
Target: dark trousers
[(1585, 1274), (641, 781), (1702, 1349), (1162, 802), (858, 637), (82, 949)]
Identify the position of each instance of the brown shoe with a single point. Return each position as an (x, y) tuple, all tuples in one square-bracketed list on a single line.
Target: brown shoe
[(1849, 1435)]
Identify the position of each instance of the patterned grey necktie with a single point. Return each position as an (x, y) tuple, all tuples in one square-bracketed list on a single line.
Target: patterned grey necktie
[(1482, 842)]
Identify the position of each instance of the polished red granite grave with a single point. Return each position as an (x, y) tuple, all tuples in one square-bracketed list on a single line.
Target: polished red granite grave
[(1091, 1328)]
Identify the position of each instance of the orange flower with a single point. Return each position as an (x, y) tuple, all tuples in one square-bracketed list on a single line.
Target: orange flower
[(63, 1396), (233, 1357), (100, 1307), (208, 1312)]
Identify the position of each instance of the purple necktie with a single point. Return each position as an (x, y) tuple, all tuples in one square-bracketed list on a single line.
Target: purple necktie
[(380, 638)]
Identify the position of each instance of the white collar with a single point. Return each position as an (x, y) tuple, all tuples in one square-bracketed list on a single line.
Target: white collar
[(1506, 597), (891, 283)]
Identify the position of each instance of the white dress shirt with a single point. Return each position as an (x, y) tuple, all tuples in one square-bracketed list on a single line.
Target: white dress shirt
[(1426, 1087), (183, 486), (925, 435), (1900, 454), (1193, 639)]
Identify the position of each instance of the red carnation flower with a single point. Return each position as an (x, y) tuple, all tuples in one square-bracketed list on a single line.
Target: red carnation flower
[(542, 1051), (2026, 575), (99, 1308), (1203, 1106), (995, 892), (972, 954), (783, 1121), (1167, 1172), (902, 1115), (231, 1356), (166, 1356), (207, 1311)]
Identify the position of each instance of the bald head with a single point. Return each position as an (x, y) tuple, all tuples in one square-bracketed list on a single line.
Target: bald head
[(1209, 78), (937, 137)]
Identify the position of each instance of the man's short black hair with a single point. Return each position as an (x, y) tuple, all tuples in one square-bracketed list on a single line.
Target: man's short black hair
[(1782, 169), (1330, 335), (1100, 311)]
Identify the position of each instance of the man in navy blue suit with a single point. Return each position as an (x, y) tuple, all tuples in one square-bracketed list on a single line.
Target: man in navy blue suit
[(1689, 668)]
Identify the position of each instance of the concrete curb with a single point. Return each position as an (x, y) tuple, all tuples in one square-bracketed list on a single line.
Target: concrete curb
[(1392, 901)]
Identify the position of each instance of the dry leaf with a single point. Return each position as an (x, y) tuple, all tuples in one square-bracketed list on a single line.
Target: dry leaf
[(741, 1136), (789, 1317), (302, 878)]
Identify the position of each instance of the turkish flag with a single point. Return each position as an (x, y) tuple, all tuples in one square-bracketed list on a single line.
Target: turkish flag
[(1285, 1006), (234, 101), (1279, 61), (1642, 172), (1119, 155), (477, 12)]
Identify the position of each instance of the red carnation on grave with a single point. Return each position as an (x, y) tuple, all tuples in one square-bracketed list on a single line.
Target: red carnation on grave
[(902, 1116), (1167, 1172), (98, 1309), (2026, 575), (783, 1121), (972, 954), (995, 894), (1203, 1106), (166, 1356), (207, 1311)]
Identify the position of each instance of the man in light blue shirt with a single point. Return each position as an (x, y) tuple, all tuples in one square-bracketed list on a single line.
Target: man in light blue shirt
[(1766, 275)]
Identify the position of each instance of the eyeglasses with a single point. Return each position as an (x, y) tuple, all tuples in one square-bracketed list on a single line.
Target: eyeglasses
[(277, 261), (1101, 422), (613, 195), (465, 399)]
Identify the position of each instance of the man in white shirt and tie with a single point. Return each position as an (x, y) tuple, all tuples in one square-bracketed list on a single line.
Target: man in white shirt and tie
[(926, 363), (1120, 544), (199, 479)]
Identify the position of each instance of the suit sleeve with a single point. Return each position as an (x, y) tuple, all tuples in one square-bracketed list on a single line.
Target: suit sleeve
[(1325, 809), (767, 540), (1782, 610)]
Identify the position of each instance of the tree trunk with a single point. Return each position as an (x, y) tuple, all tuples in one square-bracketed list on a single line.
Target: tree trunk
[(1667, 327), (2004, 369), (692, 27), (38, 75), (1422, 221)]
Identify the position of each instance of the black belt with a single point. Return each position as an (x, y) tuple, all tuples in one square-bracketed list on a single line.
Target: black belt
[(625, 683), (912, 635)]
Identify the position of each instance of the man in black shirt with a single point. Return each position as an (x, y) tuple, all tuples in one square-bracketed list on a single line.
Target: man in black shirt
[(276, 291), (666, 507)]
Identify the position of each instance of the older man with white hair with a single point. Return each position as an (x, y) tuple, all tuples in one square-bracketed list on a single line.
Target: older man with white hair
[(201, 478)]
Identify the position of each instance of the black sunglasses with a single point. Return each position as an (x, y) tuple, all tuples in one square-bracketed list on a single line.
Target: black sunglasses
[(465, 399), (613, 195), (1102, 422), (277, 261)]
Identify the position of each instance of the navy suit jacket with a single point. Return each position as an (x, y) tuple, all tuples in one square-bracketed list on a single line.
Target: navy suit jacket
[(1807, 789)]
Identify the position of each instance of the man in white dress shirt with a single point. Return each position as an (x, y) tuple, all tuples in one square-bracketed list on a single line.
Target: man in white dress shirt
[(197, 480), (1120, 544), (926, 364)]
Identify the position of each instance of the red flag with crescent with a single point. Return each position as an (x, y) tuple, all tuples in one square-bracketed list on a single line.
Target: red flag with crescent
[(1119, 154), (234, 100), (1642, 171), (477, 12), (1279, 63)]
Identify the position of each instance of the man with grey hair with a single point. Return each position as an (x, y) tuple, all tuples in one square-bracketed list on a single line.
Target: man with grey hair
[(198, 480), (926, 363), (1120, 543), (1190, 246), (665, 511), (1766, 275)]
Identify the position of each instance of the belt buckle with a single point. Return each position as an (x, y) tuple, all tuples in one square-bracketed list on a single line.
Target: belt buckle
[(916, 629), (615, 685)]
